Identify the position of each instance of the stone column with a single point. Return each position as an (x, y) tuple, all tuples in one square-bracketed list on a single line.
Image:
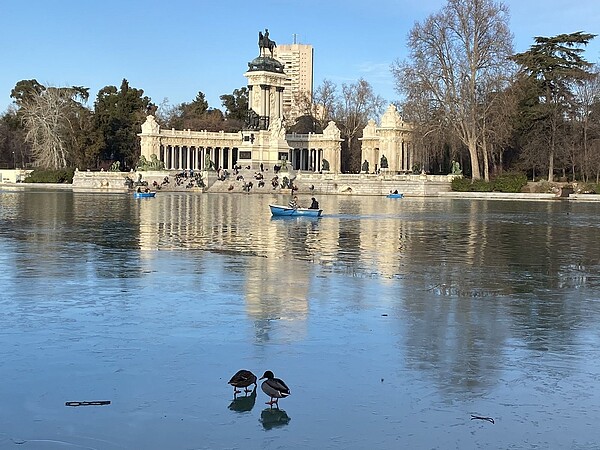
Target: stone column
[(279, 102), (319, 160), (265, 105), (263, 100), (250, 92)]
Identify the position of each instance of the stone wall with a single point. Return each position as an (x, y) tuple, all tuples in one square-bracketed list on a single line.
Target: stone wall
[(322, 184), (112, 181), (371, 184), (344, 184)]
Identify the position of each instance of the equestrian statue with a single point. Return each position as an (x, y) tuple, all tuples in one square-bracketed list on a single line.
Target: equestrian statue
[(265, 43)]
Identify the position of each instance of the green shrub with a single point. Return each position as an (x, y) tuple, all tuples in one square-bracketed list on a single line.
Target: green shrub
[(467, 185), (51, 176), (482, 186), (460, 184), (510, 182)]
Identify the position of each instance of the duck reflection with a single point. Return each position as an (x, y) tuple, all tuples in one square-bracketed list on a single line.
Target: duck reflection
[(274, 418), (245, 403)]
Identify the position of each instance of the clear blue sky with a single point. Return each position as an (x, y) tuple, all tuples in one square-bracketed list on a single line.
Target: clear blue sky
[(176, 48)]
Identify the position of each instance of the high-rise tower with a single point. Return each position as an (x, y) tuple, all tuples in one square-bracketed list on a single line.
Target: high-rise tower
[(297, 60)]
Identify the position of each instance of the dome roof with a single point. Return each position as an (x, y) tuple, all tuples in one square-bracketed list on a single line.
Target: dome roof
[(265, 63)]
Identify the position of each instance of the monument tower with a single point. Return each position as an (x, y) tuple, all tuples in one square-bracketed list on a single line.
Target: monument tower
[(264, 136), (261, 144)]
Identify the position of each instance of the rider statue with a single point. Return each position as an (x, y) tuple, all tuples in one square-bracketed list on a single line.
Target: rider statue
[(264, 42)]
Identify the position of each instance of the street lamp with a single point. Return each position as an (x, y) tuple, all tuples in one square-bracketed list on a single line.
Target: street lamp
[(14, 161)]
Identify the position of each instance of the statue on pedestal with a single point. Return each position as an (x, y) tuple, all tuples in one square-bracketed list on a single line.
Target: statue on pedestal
[(265, 43), (383, 162), (456, 170), (208, 164)]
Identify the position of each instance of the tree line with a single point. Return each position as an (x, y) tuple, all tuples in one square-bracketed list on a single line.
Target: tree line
[(52, 127), (468, 96), (471, 98)]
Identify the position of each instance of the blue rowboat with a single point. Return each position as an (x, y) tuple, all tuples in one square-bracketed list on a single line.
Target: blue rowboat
[(144, 194), (395, 195), (278, 210)]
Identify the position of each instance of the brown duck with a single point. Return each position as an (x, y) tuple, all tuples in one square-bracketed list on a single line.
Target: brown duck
[(242, 379)]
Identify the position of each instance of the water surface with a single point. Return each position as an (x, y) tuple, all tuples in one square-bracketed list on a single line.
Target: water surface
[(392, 321)]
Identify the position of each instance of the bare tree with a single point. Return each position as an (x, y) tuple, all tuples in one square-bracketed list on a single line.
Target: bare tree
[(47, 118), (456, 56), (357, 104), (315, 111), (587, 95), (324, 102), (496, 121)]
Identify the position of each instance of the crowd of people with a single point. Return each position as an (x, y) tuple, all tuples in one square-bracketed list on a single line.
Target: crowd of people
[(238, 177)]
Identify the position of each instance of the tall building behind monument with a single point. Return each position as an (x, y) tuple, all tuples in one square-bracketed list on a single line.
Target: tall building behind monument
[(298, 66), (265, 143)]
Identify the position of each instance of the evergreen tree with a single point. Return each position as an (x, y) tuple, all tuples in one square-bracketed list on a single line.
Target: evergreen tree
[(14, 151), (551, 67), (119, 114), (236, 104)]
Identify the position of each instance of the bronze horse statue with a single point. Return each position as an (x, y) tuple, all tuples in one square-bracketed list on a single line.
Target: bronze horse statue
[(265, 42)]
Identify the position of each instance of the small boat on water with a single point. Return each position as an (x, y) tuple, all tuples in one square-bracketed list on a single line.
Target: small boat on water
[(144, 194), (279, 210), (394, 195)]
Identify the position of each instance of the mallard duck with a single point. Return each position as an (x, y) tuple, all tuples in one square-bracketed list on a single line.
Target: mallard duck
[(275, 388), (242, 379)]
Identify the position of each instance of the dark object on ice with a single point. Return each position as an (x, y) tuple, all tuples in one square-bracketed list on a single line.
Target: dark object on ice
[(245, 403), (274, 418), (489, 419), (275, 388), (94, 403), (242, 379)]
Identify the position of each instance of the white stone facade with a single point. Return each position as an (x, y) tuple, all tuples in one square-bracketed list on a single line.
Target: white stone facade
[(264, 144), (187, 149), (392, 139)]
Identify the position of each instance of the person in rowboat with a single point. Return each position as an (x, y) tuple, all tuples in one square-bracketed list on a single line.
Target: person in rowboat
[(293, 202)]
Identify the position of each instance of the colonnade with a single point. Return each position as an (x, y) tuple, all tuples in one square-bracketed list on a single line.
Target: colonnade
[(190, 150), (307, 159), (182, 157), (264, 102), (400, 156)]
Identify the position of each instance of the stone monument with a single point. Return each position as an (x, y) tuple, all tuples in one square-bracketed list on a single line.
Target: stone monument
[(263, 140)]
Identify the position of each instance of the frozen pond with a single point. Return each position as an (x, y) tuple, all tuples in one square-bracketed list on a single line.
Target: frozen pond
[(392, 322)]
